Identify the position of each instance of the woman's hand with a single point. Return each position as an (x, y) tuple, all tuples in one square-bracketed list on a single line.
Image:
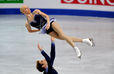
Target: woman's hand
[(47, 26), (39, 47)]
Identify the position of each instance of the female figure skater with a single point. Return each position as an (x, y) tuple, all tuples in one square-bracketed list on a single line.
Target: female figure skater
[(43, 23), (46, 65)]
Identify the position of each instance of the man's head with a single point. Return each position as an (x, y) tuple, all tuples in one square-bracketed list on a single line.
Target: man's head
[(41, 65)]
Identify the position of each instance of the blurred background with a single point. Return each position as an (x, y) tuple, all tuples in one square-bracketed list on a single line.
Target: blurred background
[(78, 18)]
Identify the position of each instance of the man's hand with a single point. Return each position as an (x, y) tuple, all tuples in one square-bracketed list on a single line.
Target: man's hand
[(52, 39), (39, 47)]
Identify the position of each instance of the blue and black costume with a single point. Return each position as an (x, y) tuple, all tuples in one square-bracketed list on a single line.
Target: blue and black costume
[(40, 22), (50, 60)]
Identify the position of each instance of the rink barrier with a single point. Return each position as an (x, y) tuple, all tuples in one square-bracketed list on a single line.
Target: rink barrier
[(74, 12)]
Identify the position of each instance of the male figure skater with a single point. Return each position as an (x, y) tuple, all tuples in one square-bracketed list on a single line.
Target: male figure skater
[(46, 65)]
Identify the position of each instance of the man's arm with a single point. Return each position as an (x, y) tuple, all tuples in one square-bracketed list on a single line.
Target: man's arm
[(46, 56), (52, 51), (52, 54)]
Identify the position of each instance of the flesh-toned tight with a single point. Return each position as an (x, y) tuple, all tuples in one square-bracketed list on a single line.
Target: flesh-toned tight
[(59, 34)]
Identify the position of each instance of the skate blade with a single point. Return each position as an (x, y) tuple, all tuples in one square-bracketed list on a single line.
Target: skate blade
[(80, 57), (93, 44)]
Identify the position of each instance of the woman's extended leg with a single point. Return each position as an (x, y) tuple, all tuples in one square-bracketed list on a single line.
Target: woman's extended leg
[(70, 39)]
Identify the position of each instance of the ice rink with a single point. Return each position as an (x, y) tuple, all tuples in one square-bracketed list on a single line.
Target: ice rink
[(18, 47)]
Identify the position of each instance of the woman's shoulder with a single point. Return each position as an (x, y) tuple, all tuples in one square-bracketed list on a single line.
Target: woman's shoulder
[(36, 11)]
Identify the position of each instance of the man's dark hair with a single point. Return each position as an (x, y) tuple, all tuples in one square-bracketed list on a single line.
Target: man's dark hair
[(39, 66)]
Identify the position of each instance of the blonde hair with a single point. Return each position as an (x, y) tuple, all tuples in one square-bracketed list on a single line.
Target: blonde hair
[(22, 8)]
